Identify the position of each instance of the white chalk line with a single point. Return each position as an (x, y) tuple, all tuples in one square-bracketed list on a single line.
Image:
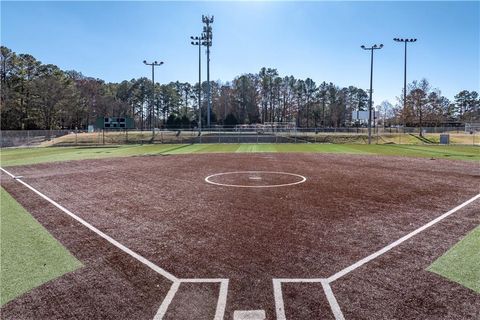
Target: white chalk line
[(399, 241), (332, 301), (277, 294), (221, 304), (114, 242), (302, 179), (203, 280), (166, 301), (222, 300), (280, 305), (249, 315), (334, 306)]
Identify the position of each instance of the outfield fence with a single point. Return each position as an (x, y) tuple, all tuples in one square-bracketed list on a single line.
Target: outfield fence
[(430, 136)]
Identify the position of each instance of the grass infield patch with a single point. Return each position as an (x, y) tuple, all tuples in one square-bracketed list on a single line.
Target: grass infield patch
[(30, 256), (24, 156), (462, 262)]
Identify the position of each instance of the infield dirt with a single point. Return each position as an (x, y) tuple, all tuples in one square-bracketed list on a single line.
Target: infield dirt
[(162, 208)]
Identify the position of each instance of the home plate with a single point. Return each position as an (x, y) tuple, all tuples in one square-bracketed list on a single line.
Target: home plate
[(249, 315)]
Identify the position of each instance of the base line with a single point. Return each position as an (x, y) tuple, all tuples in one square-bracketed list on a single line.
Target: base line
[(117, 244), (399, 241)]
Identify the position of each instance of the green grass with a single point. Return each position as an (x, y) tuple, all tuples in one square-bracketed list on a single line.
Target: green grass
[(23, 156), (30, 256), (462, 262)]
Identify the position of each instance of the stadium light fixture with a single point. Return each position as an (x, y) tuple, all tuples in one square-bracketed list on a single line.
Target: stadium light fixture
[(405, 69), (372, 48), (152, 110)]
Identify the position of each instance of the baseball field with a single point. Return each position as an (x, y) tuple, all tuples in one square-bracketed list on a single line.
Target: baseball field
[(241, 231)]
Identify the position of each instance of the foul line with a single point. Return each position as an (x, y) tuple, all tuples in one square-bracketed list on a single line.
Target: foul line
[(117, 244), (399, 241), (334, 306), (277, 283), (222, 299)]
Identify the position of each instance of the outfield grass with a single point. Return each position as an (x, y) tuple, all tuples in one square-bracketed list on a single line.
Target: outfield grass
[(462, 262), (23, 156), (30, 256)]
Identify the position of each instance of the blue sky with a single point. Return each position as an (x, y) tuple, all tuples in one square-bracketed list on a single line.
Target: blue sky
[(320, 40)]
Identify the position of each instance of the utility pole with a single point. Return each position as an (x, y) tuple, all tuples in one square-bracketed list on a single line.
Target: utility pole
[(152, 105), (207, 34), (405, 72), (199, 41), (372, 48)]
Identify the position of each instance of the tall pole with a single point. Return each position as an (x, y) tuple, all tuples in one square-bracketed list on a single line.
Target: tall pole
[(199, 42), (207, 30), (152, 104), (200, 84), (152, 112), (405, 71), (370, 101), (405, 78), (374, 47), (208, 86)]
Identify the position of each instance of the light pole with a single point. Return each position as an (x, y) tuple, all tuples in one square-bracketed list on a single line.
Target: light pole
[(404, 71), (207, 34), (152, 110), (198, 41), (372, 48)]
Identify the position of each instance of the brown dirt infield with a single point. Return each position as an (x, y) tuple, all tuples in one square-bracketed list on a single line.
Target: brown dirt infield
[(162, 208)]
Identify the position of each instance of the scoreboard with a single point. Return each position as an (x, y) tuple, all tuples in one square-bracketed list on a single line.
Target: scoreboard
[(114, 123)]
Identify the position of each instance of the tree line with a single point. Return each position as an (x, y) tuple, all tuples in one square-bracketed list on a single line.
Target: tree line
[(42, 96)]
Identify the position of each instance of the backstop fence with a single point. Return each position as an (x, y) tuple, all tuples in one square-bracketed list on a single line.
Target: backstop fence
[(242, 134)]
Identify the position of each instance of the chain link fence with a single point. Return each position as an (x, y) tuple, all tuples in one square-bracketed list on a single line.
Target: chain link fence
[(430, 136), (27, 138)]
